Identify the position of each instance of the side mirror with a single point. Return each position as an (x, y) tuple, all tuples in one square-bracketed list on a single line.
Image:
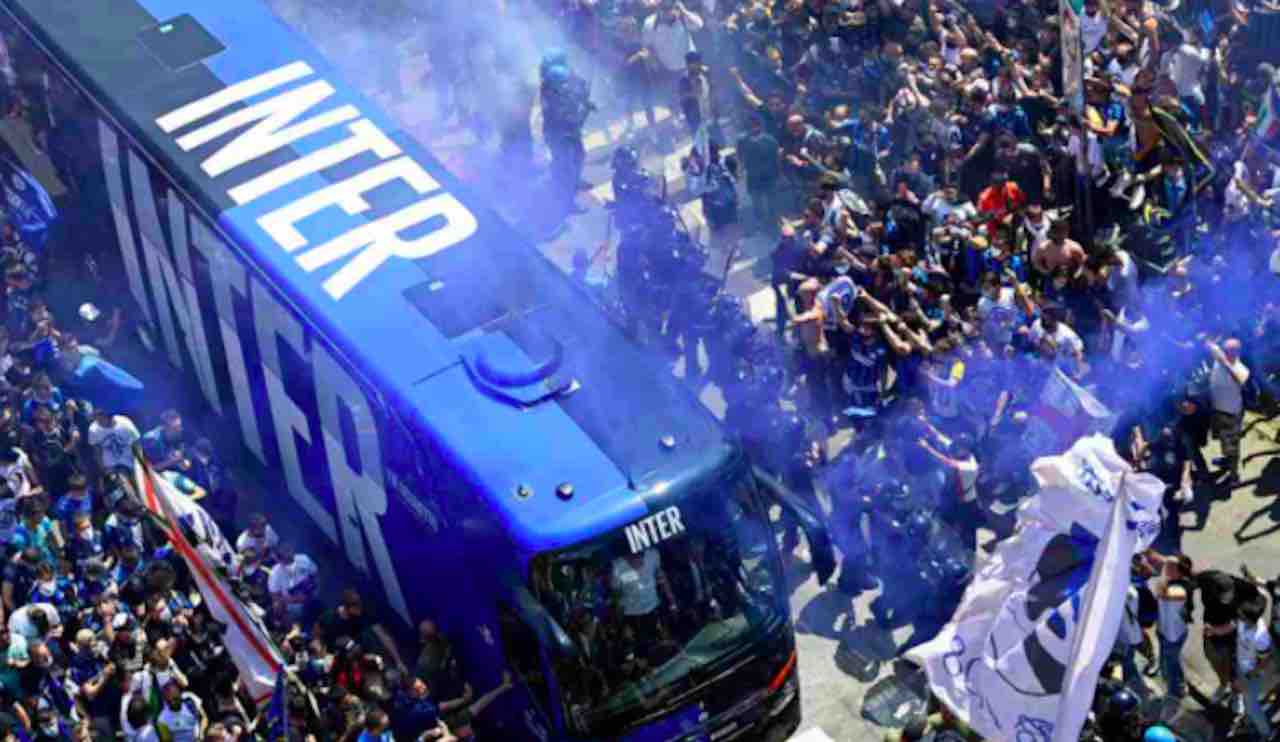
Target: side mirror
[(535, 616), (823, 555)]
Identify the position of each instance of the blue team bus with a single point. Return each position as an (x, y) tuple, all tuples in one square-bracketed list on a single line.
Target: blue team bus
[(443, 403)]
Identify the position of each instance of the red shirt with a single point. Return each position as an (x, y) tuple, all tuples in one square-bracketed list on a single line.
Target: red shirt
[(1000, 202)]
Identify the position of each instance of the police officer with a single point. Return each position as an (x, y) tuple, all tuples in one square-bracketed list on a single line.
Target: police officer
[(849, 502), (565, 106), (730, 337)]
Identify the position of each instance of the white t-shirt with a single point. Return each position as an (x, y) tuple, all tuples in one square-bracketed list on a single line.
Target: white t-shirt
[(939, 208), (268, 541), (285, 578), (669, 41), (16, 474), (1004, 298), (1123, 339), (1037, 233), (20, 622), (1065, 337), (1186, 65), (1123, 281), (1252, 641), (1224, 390), (637, 587), (183, 724), (1092, 30), (1087, 154), (115, 442)]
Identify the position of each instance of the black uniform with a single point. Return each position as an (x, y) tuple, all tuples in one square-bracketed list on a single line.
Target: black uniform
[(565, 106)]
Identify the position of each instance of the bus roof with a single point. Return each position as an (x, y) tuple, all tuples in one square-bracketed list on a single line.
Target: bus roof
[(433, 332)]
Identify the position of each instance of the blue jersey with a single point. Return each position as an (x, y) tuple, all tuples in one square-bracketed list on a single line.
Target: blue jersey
[(60, 594), (81, 549), (868, 360), (119, 533), (52, 404), (67, 508)]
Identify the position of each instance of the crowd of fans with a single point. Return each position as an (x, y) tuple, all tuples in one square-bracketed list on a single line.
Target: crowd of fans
[(103, 632), (966, 233), (957, 229)]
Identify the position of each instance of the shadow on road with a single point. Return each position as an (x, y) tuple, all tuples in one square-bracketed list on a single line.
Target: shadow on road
[(1266, 485)]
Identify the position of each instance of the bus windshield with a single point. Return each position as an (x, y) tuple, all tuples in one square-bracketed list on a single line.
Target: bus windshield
[(661, 604)]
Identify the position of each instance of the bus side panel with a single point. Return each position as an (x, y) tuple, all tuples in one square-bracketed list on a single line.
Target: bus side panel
[(433, 538), (275, 386)]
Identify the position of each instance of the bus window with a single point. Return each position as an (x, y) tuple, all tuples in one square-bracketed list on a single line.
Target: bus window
[(663, 604), (524, 657)]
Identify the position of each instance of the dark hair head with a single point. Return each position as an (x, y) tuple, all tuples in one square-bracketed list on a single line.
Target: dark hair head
[(1252, 610), (915, 730)]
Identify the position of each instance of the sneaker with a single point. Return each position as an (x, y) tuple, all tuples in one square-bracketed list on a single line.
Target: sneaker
[(1136, 198), (1122, 181)]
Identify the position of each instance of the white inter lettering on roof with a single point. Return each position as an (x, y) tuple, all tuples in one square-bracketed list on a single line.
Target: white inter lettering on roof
[(654, 529), (268, 126)]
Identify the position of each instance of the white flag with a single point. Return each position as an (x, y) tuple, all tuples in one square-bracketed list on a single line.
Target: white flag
[(1072, 54), (1020, 657), (697, 178), (200, 543)]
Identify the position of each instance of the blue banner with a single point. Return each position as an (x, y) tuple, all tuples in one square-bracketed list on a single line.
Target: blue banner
[(27, 204), (275, 719)]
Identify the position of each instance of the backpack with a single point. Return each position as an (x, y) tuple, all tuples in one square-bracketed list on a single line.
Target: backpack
[(1148, 607)]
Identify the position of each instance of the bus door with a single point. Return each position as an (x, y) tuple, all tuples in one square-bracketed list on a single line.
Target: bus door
[(524, 630)]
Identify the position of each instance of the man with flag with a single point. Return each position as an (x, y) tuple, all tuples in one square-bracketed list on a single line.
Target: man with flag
[(1020, 658), (199, 541)]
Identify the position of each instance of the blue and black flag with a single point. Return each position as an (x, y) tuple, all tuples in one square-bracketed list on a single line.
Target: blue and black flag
[(275, 718), (27, 204)]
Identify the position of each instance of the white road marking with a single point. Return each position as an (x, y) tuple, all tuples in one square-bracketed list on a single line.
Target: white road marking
[(603, 137), (812, 735), (761, 305)]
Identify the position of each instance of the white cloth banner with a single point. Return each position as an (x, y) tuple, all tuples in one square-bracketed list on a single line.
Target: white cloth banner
[(1072, 54), (200, 543), (1020, 658)]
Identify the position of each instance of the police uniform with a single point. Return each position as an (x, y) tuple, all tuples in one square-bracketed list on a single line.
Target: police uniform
[(565, 107)]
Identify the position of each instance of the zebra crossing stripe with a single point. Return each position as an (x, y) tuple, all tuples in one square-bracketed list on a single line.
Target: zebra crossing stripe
[(603, 137)]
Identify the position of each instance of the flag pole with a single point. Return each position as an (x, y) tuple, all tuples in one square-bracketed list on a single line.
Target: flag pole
[(1070, 720)]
